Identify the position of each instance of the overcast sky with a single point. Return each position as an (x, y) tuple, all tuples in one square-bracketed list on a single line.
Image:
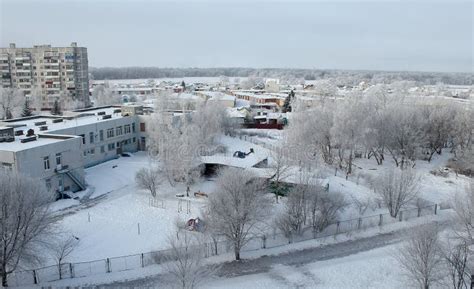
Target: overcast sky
[(383, 35)]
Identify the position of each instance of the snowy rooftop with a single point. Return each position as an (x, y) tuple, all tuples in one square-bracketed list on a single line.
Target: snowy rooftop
[(41, 140), (69, 119), (234, 144)]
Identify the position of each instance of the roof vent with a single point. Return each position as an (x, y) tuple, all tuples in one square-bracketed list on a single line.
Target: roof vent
[(19, 132), (28, 139), (43, 128), (30, 132), (101, 113), (39, 123), (107, 116), (57, 120)]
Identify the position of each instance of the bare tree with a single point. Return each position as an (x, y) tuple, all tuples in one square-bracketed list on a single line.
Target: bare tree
[(463, 205), (293, 217), (186, 261), (324, 207), (396, 188), (281, 168), (61, 249), (420, 257), (149, 179), (11, 101), (456, 256), (25, 221), (237, 207)]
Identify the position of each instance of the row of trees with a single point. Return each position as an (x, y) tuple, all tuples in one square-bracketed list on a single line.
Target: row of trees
[(13, 103), (343, 77), (381, 123)]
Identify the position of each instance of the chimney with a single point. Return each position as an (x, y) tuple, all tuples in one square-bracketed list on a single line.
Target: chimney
[(12, 45), (73, 44)]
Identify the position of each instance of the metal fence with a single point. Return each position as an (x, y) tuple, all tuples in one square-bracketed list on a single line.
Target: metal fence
[(258, 242)]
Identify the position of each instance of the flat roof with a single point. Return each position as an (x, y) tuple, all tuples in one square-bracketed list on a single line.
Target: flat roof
[(41, 140), (70, 120)]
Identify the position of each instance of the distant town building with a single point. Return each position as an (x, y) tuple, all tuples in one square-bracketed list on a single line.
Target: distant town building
[(47, 73)]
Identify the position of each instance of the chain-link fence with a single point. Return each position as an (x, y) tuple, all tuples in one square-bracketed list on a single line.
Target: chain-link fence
[(258, 242)]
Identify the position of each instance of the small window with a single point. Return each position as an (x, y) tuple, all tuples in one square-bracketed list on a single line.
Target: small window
[(134, 139), (102, 149), (119, 130), (142, 126), (58, 158), (133, 127), (110, 133), (101, 135), (91, 137), (83, 138), (127, 128), (46, 163)]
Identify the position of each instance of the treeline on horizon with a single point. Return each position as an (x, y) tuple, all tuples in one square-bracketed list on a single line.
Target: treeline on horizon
[(345, 77)]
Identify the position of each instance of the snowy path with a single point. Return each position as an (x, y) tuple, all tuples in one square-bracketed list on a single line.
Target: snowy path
[(291, 264)]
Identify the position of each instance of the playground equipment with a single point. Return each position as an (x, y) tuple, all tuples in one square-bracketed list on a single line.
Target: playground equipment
[(200, 194), (194, 225), (242, 155)]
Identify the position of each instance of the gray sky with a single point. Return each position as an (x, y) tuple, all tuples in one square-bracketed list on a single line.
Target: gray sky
[(383, 35)]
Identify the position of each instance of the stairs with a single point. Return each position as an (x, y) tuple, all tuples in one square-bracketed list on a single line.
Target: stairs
[(76, 180)]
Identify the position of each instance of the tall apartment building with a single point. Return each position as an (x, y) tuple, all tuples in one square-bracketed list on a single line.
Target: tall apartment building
[(46, 72)]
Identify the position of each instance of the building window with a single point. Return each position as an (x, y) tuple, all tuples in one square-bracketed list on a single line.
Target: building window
[(134, 139), (127, 128), (84, 153), (58, 158), (133, 127), (92, 151), (91, 137), (102, 149), (119, 130), (101, 135), (142, 126), (111, 146), (83, 138), (46, 163), (110, 133)]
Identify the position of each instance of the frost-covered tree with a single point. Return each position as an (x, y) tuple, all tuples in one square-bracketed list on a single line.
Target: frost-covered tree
[(26, 109), (405, 127), (293, 217), (237, 207), (61, 249), (463, 205), (103, 95), (396, 188), (149, 179), (25, 221), (186, 262), (420, 257), (11, 103)]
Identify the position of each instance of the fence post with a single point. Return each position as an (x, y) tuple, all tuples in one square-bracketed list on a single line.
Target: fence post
[(400, 216), (71, 270), (419, 212), (359, 223), (436, 209), (107, 265), (264, 241), (35, 278), (380, 220), (337, 227), (142, 260), (289, 238)]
